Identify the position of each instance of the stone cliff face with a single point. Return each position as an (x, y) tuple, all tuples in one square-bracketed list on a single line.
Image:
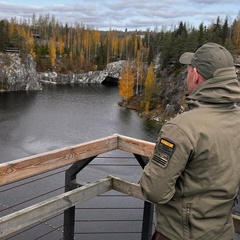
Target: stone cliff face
[(17, 74), (113, 71)]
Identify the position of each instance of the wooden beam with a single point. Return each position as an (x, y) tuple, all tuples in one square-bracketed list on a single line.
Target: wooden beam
[(41, 211), (22, 168), (126, 187), (26, 167), (133, 189), (136, 146), (236, 222)]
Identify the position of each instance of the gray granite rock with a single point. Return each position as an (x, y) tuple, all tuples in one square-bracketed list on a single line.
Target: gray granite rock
[(17, 74), (113, 70)]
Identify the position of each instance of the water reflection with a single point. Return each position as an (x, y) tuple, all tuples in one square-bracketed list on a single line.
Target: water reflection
[(125, 114), (16, 101)]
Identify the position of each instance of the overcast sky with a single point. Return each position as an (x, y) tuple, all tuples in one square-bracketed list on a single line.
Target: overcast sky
[(121, 14)]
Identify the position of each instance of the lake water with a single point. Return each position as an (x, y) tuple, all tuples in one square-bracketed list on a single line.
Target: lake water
[(64, 115)]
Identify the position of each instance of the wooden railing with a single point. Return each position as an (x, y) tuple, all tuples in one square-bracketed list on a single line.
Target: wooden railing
[(41, 211), (22, 168), (30, 166), (41, 163)]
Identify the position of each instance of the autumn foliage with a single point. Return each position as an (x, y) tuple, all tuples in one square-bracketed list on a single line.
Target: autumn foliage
[(52, 52), (68, 48), (126, 82), (150, 87)]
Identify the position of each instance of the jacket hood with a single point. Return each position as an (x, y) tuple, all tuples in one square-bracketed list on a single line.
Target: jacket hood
[(223, 88)]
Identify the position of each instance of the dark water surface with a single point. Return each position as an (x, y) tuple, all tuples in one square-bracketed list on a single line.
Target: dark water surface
[(60, 116)]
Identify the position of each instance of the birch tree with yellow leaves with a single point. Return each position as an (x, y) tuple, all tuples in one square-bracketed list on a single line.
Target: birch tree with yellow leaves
[(52, 52), (236, 32), (60, 46), (150, 87), (140, 73), (126, 83)]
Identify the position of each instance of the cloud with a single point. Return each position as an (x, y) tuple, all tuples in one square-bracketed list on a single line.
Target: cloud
[(121, 14), (214, 1)]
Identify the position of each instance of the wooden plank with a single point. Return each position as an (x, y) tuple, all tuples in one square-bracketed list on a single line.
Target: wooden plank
[(136, 146), (133, 189), (126, 187), (236, 222), (41, 211), (22, 168)]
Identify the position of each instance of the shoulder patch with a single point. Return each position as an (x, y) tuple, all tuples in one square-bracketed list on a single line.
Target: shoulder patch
[(163, 152)]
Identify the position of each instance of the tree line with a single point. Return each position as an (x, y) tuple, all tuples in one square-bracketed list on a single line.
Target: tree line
[(69, 48), (170, 44), (78, 48)]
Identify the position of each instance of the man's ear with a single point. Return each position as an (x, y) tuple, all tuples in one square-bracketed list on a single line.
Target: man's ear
[(196, 76), (198, 79)]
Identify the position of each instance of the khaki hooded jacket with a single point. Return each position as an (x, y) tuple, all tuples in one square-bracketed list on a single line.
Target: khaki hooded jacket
[(194, 173)]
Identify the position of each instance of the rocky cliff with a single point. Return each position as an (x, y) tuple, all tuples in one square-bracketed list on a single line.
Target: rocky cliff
[(17, 74), (112, 71)]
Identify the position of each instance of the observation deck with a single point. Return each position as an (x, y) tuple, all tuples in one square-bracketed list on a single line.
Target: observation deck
[(87, 191)]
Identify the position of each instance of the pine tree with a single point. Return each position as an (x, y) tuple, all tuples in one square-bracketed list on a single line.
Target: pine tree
[(3, 35)]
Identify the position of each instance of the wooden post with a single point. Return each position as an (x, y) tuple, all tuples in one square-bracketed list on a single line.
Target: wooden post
[(148, 207), (70, 184)]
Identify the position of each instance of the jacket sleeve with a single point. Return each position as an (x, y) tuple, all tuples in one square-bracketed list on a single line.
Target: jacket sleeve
[(169, 159)]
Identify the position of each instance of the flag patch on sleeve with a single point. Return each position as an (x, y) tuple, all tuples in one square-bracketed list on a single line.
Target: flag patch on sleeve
[(163, 152)]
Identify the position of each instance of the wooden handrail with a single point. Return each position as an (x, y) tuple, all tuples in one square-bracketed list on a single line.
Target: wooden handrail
[(136, 146), (26, 167), (43, 210), (57, 204), (40, 163), (236, 222)]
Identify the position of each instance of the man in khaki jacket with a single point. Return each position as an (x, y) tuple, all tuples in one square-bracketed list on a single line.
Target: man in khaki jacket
[(194, 173)]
